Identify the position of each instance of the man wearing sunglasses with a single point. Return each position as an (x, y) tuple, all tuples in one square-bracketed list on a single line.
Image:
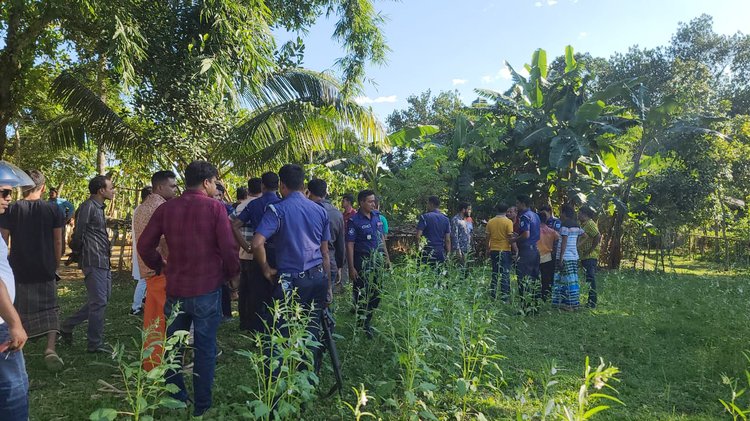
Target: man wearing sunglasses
[(91, 242), (14, 383)]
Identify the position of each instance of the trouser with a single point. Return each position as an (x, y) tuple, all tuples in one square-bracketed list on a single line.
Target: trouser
[(309, 288), (367, 286), (527, 269), (226, 301), (432, 257), (547, 272), (14, 383), (502, 262), (98, 290), (154, 322), (255, 294), (139, 295), (204, 312), (589, 267)]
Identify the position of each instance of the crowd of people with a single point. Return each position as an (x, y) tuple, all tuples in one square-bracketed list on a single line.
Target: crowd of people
[(281, 239)]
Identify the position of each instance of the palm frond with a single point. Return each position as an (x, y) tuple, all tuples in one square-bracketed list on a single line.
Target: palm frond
[(98, 119)]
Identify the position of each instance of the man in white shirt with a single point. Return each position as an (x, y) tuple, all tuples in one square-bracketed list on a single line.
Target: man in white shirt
[(14, 383)]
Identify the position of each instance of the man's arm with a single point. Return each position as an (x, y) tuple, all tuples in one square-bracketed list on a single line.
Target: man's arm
[(447, 242), (227, 247), (18, 335), (350, 260), (148, 242), (57, 237), (236, 226), (327, 270), (259, 255), (339, 246), (82, 220)]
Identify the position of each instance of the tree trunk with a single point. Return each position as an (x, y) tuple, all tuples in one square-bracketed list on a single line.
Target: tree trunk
[(101, 154), (615, 243)]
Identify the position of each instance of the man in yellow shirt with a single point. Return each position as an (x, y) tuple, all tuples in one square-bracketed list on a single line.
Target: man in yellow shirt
[(499, 232), (588, 250)]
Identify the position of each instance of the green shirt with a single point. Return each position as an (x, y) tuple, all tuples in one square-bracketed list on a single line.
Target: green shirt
[(584, 243), (385, 223)]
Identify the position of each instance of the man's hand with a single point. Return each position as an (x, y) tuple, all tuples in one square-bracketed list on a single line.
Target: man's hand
[(18, 337), (234, 282), (353, 273), (329, 296), (270, 274)]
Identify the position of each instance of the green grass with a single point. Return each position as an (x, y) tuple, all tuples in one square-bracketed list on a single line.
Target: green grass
[(671, 335)]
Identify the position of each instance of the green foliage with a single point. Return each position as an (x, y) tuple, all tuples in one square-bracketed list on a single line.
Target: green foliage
[(732, 406), (147, 391), (282, 364)]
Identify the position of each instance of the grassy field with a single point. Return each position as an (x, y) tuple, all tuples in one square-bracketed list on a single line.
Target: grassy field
[(671, 335)]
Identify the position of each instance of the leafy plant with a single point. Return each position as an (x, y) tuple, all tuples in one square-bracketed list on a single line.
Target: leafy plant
[(733, 405), (284, 374), (146, 391)]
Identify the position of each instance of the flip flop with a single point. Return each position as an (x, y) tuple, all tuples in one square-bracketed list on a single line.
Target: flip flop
[(53, 362)]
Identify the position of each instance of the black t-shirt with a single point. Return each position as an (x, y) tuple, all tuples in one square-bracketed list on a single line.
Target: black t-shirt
[(32, 248)]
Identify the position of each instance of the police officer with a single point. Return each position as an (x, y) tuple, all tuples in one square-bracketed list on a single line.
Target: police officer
[(255, 295), (366, 253), (317, 190), (435, 226), (527, 266), (299, 227)]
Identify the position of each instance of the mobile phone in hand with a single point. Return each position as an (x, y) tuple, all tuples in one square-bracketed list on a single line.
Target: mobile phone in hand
[(5, 346)]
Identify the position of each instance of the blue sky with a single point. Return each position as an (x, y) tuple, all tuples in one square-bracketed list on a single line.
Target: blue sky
[(447, 44)]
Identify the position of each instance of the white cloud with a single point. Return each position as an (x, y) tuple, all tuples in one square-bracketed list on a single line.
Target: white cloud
[(551, 2), (459, 82), (583, 35), (538, 4), (367, 100), (504, 72)]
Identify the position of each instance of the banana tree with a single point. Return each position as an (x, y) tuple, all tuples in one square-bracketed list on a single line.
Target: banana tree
[(659, 125), (561, 125)]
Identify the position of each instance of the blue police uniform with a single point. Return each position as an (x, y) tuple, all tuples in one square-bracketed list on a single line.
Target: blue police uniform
[(255, 291), (554, 223), (527, 267), (367, 234), (434, 226), (298, 226)]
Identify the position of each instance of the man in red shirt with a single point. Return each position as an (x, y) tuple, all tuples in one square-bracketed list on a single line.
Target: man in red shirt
[(202, 255)]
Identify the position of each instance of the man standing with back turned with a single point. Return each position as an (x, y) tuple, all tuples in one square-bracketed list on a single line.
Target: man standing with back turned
[(35, 227), (91, 242), (528, 254), (202, 255), (299, 227), (436, 228)]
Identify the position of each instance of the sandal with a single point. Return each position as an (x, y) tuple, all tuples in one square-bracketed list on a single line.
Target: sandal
[(53, 362)]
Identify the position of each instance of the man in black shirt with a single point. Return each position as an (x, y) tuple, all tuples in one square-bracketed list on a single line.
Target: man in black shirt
[(35, 228)]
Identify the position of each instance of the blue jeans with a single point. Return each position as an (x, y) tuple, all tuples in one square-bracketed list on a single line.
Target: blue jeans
[(204, 312), (139, 295), (14, 383), (589, 266), (502, 261)]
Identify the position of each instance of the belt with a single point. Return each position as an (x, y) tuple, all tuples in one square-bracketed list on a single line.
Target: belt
[(308, 272)]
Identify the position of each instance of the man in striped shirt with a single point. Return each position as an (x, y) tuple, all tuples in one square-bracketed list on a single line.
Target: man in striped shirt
[(91, 242)]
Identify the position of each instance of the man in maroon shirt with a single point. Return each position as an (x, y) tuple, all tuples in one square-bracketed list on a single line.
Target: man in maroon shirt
[(202, 255)]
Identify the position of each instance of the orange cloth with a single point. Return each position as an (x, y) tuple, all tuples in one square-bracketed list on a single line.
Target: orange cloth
[(154, 319), (547, 238)]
